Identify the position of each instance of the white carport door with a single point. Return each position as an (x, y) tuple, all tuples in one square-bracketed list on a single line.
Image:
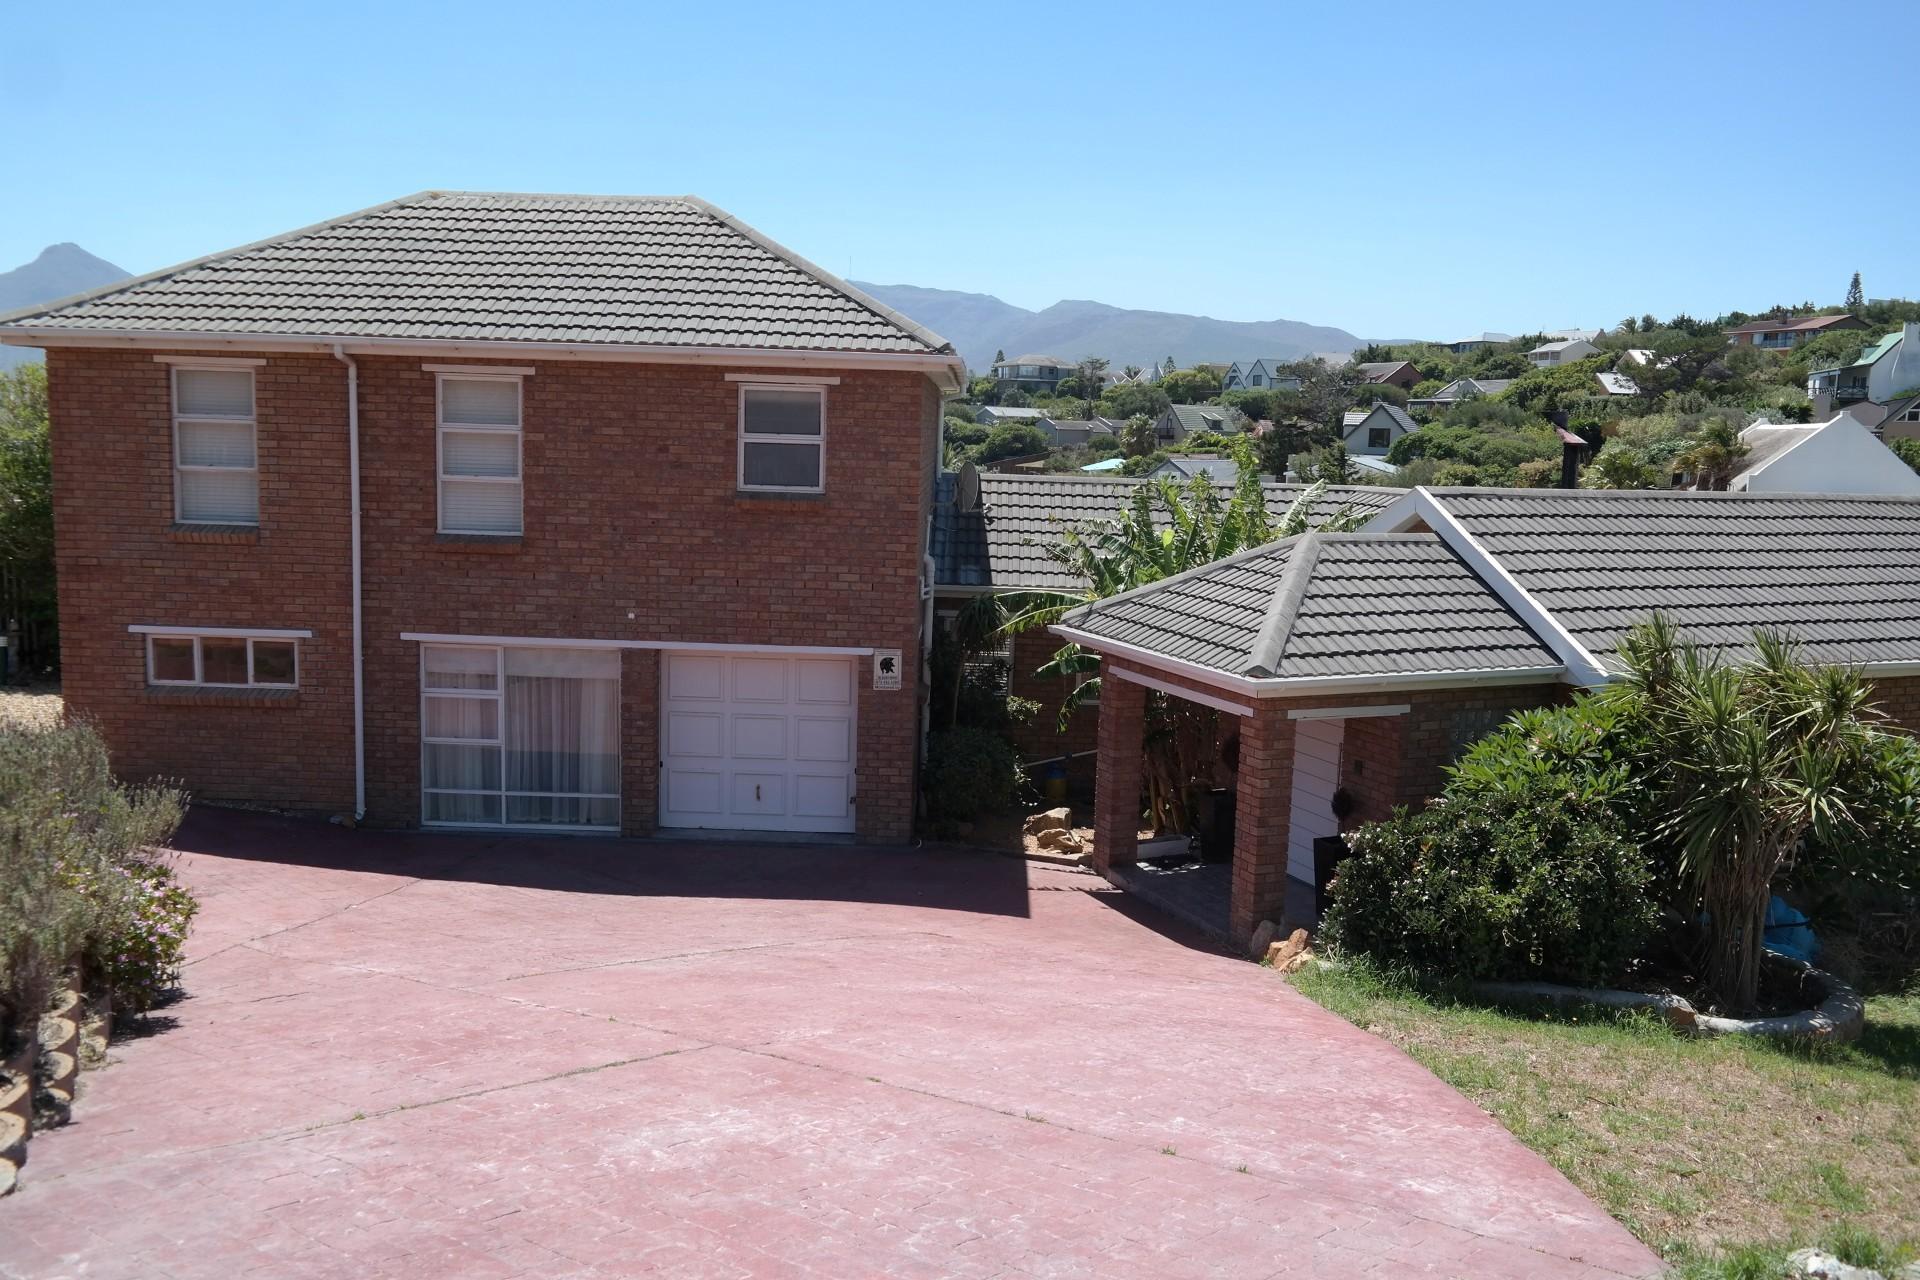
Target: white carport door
[(756, 742)]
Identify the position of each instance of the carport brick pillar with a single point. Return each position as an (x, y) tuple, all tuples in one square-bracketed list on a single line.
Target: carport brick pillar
[(1120, 767), (1262, 803)]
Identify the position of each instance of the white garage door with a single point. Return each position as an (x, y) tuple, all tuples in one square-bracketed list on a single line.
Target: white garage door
[(756, 742)]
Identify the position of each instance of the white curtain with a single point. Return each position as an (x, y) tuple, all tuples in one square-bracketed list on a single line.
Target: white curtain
[(563, 737)]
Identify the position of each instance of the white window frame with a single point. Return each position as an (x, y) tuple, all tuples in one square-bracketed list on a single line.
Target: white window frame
[(498, 696), (518, 430), (741, 438), (253, 427), (199, 680)]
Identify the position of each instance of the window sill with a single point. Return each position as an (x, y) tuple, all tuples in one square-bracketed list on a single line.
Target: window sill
[(774, 495), (482, 543), (162, 695), (234, 533)]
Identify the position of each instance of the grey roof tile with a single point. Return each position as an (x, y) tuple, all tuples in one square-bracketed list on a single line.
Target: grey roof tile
[(485, 267), (1001, 545), (1840, 573), (1325, 605)]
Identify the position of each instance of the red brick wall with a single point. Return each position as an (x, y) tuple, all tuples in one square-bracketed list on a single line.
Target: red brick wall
[(1041, 738), (1898, 697), (633, 530)]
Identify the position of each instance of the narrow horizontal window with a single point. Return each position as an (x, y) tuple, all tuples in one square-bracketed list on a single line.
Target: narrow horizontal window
[(783, 438), (216, 475), (479, 448), (223, 662)]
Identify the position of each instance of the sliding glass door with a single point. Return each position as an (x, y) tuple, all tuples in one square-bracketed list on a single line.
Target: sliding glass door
[(520, 737)]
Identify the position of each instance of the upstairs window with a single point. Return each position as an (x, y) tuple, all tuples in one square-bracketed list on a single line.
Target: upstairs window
[(1379, 437), (479, 431), (216, 475), (783, 439)]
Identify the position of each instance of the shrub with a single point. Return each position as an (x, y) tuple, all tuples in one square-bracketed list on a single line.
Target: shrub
[(1534, 881), (136, 952), (76, 873), (969, 772)]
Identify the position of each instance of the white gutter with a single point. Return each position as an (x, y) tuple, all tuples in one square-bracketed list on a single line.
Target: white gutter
[(353, 509), (947, 370)]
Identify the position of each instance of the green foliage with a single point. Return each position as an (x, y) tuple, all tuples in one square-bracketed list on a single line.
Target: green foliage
[(1856, 296), (26, 491), (1012, 440), (1190, 386), (1328, 465), (970, 772), (78, 876), (1137, 438), (1908, 451), (1133, 398), (1554, 387), (957, 409), (1492, 452), (1620, 465), (1538, 880)]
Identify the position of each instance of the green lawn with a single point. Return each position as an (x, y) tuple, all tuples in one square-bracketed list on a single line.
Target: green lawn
[(1719, 1153)]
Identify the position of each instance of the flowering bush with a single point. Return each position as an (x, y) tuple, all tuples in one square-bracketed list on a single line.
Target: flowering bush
[(135, 952)]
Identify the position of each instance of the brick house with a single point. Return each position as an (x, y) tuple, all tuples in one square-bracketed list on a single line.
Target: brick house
[(1351, 668), (474, 510)]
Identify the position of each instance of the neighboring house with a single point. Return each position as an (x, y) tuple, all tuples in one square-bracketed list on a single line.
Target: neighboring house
[(994, 415), (1460, 389), (1035, 374), (1790, 332), (1460, 346), (1071, 433), (989, 536), (1561, 351), (1182, 420), (1371, 432), (450, 512), (1900, 421), (1215, 468), (1569, 335), (1254, 375), (1617, 384), (1638, 355), (1840, 456), (1333, 359), (1393, 373), (1106, 464), (1352, 668), (1885, 370)]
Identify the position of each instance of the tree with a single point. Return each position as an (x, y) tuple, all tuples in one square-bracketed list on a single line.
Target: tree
[(26, 492), (1137, 438), (1013, 440), (1131, 398), (1856, 296), (1191, 386), (1908, 451), (999, 357), (1619, 465), (1091, 373), (1714, 456), (1015, 398), (1330, 465), (1130, 372)]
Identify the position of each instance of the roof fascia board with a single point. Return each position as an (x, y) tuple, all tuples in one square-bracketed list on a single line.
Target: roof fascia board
[(951, 366), (1180, 691), (1303, 687), (1582, 668)]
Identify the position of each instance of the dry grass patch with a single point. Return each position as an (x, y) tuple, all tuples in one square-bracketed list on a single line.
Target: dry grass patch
[(1690, 1143), (35, 707)]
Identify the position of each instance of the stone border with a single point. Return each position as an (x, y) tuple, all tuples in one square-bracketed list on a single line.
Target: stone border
[(43, 1075), (1838, 1018)]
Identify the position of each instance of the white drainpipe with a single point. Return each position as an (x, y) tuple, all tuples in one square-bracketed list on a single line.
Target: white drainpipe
[(353, 503)]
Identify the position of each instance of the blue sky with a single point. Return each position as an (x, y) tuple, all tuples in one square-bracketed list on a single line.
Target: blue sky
[(1396, 170)]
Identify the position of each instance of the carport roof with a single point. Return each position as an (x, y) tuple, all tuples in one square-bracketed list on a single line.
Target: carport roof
[(1323, 606)]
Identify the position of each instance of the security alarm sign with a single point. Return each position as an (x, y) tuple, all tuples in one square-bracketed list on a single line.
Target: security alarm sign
[(886, 668)]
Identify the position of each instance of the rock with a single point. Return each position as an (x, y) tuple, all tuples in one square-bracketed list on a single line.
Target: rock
[(1287, 956), (1815, 1264), (1059, 838), (1263, 936), (1052, 820)]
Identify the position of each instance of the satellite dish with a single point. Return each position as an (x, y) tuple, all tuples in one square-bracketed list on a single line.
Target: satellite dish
[(966, 488)]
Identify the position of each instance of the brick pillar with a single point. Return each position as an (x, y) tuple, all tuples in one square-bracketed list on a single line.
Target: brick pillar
[(1119, 770), (1263, 796)]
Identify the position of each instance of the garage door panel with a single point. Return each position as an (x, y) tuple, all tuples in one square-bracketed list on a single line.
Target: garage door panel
[(823, 738), (829, 683), (691, 791), (696, 676), (696, 733), (820, 796), (760, 679), (758, 742)]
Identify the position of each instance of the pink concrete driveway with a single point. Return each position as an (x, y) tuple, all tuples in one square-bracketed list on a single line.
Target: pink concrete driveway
[(425, 1056)]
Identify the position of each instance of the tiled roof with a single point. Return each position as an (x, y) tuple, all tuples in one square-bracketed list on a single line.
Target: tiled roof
[(1000, 545), (1206, 417), (1791, 323), (1840, 573), (481, 267), (1872, 355), (1325, 605), (1618, 384), (1354, 417)]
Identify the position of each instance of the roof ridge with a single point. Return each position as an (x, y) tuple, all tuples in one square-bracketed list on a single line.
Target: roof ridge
[(1277, 626), (1161, 584)]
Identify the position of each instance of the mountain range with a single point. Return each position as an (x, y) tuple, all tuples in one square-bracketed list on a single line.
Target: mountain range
[(979, 324), (59, 271)]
